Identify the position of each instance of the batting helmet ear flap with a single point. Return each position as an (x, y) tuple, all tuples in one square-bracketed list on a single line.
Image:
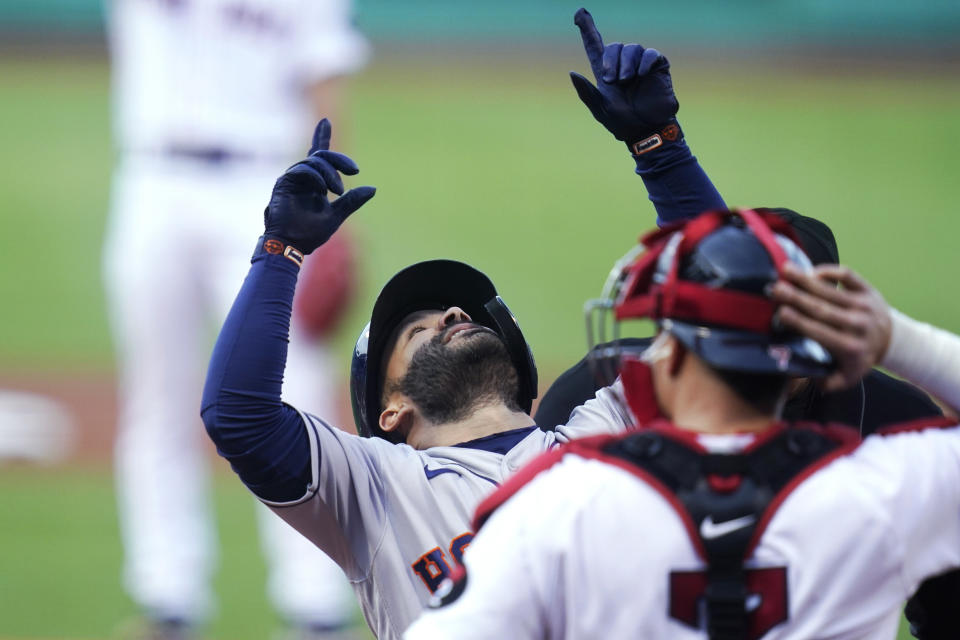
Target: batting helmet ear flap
[(358, 386), (520, 352)]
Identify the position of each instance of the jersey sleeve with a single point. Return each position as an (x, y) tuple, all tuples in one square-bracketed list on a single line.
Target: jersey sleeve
[(263, 439), (920, 491), (344, 508), (323, 481), (605, 413), (579, 383), (926, 356)]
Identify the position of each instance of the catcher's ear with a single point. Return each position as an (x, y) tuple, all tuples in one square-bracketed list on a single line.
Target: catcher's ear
[(677, 354)]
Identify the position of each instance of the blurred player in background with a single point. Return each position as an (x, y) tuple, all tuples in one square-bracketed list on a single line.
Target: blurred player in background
[(212, 100)]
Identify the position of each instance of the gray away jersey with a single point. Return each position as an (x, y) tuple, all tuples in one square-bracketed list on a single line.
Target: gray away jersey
[(397, 519)]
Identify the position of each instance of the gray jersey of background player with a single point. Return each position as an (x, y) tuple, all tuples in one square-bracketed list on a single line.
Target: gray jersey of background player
[(443, 381), (635, 101)]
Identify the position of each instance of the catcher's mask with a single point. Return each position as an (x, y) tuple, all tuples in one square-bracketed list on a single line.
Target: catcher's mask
[(708, 283), (434, 284)]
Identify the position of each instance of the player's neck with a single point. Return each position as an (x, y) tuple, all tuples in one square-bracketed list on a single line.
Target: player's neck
[(715, 410), (719, 420), (484, 421)]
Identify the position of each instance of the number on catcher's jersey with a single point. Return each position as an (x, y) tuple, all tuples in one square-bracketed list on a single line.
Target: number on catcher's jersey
[(766, 599), (432, 567)]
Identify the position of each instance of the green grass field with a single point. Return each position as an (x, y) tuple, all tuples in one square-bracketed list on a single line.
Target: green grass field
[(502, 168), (60, 570)]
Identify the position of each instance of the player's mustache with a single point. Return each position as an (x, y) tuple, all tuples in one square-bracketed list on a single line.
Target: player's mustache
[(443, 336)]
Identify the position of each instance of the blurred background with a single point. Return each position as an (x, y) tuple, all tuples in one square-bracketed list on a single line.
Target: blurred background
[(466, 122)]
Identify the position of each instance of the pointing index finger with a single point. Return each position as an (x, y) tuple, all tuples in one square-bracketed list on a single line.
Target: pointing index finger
[(592, 40), (321, 137)]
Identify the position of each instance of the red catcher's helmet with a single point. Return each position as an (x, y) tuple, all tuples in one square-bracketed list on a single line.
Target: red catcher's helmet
[(707, 282)]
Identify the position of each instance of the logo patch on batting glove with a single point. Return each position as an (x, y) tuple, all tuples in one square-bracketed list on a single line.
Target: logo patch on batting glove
[(293, 255), (670, 133), (276, 247), (647, 145)]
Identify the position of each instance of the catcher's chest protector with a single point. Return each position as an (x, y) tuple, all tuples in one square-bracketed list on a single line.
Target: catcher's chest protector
[(725, 502)]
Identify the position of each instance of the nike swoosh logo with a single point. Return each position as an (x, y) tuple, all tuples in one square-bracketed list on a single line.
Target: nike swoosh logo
[(710, 529), (433, 473)]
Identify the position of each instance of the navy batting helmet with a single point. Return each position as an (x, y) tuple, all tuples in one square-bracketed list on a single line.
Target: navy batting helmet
[(434, 284), (707, 282)]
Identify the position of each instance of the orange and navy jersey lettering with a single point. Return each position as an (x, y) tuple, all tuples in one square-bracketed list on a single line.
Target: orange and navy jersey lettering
[(433, 567)]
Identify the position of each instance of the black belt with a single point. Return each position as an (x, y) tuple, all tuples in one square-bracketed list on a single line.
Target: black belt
[(210, 155)]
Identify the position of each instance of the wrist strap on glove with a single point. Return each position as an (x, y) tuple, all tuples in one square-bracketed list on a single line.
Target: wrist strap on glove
[(275, 246), (670, 132)]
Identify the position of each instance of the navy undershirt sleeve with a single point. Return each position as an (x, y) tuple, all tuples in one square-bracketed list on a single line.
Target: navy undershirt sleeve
[(677, 185), (264, 439)]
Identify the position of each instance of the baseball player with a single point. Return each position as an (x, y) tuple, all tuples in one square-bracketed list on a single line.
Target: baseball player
[(715, 519), (634, 100), (442, 383), (212, 100), (875, 401)]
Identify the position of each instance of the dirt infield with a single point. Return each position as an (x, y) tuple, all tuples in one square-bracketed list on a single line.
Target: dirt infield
[(90, 401), (88, 398)]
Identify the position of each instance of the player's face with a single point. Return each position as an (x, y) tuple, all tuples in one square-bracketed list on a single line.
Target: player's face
[(445, 364), (421, 327)]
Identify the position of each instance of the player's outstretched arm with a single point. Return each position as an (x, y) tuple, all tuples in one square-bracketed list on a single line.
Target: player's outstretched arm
[(263, 439), (635, 101)]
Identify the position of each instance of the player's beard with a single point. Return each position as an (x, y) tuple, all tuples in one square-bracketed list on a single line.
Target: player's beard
[(449, 381)]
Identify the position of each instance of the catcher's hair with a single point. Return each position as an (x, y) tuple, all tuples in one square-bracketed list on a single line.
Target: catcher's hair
[(762, 391)]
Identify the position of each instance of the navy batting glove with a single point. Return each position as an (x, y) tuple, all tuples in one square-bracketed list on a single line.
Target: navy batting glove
[(299, 214), (634, 96)]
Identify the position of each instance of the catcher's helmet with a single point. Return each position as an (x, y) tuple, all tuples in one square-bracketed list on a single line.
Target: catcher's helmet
[(434, 284), (707, 283)]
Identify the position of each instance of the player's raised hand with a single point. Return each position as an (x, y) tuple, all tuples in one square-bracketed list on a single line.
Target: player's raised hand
[(634, 96), (852, 321), (299, 213)]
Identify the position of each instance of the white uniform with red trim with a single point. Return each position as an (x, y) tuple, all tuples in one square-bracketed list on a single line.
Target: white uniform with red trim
[(211, 104), (586, 549)]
